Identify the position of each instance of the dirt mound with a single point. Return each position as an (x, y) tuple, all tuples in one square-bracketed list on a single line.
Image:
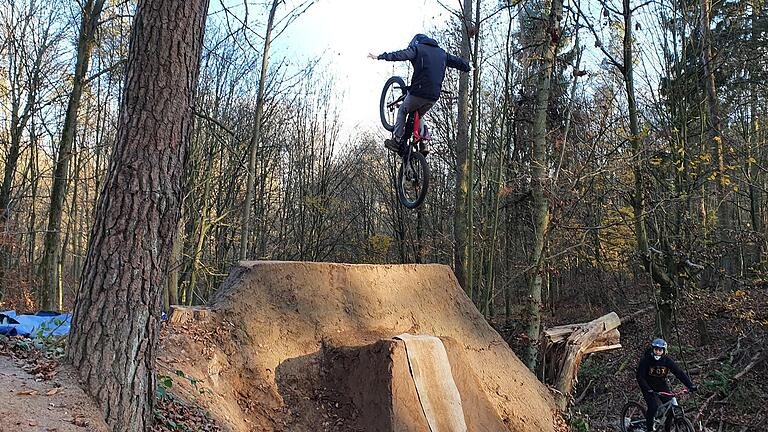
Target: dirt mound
[(307, 347)]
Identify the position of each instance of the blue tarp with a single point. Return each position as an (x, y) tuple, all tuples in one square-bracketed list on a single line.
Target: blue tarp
[(50, 323)]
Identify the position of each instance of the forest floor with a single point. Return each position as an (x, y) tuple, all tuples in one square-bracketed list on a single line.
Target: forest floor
[(721, 340), (40, 394)]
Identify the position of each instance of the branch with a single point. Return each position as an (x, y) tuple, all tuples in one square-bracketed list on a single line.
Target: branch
[(216, 122), (591, 28), (633, 315), (112, 67), (756, 359)]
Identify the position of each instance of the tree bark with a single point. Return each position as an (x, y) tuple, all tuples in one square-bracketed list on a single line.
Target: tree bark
[(114, 334), (52, 243), (724, 215), (658, 274), (540, 177), (461, 242)]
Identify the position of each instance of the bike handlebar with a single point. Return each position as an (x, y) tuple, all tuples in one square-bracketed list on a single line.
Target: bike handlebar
[(673, 394)]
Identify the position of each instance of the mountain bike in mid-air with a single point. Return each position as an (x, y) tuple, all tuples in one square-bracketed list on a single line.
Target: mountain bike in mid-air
[(670, 417), (413, 177)]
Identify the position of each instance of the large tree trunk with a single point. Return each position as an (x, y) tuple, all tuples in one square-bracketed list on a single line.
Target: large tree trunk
[(461, 242), (117, 314), (540, 177), (52, 243)]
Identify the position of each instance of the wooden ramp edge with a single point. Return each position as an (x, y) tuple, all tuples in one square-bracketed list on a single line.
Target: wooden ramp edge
[(436, 389)]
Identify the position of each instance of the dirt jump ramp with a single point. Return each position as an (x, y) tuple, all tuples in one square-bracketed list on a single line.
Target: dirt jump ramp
[(296, 346)]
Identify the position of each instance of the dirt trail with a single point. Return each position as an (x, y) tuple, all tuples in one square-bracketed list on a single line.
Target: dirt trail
[(57, 405), (265, 352)]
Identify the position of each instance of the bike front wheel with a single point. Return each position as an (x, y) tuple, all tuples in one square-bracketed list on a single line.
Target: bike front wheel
[(413, 180), (632, 418), (391, 97), (681, 425)]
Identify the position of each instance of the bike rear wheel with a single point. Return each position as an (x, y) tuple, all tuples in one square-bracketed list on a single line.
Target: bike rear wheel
[(394, 89), (413, 181), (633, 417)]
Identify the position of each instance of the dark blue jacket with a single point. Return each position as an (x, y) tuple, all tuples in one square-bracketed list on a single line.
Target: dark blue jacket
[(652, 373), (429, 62)]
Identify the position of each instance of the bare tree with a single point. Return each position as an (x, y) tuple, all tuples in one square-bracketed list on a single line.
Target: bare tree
[(550, 38), (91, 13)]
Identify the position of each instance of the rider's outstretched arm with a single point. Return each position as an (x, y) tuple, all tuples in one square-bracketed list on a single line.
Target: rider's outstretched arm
[(402, 55), (457, 63)]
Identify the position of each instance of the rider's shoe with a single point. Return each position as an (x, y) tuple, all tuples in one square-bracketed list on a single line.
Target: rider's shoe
[(392, 145), (423, 148)]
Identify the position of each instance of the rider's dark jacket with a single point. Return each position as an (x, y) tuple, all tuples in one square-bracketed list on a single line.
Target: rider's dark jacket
[(652, 373), (429, 62)]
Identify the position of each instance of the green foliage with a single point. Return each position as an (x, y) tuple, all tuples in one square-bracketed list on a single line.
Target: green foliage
[(164, 383), (168, 422), (721, 379), (44, 340), (579, 422), (378, 246), (174, 406), (590, 369)]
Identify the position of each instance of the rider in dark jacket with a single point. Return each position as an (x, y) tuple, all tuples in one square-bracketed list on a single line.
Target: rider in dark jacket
[(651, 375), (429, 63)]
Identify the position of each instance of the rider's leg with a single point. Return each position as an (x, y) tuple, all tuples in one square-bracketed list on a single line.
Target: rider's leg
[(410, 104), (423, 144), (653, 405)]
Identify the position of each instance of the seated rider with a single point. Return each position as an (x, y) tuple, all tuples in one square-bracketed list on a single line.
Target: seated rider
[(429, 62), (652, 373)]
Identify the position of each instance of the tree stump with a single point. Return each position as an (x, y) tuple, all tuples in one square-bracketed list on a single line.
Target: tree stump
[(565, 346)]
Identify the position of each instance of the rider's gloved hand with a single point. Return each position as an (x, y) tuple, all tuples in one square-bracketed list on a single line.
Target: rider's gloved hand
[(650, 393), (693, 389)]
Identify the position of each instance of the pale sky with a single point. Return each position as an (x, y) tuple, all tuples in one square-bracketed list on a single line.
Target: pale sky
[(345, 31)]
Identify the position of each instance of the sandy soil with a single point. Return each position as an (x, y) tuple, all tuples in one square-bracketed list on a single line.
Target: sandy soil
[(31, 404), (262, 355)]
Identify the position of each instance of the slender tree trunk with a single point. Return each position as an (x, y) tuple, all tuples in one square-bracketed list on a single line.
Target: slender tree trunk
[(116, 320), (461, 241), (470, 255), (172, 286), (658, 273), (540, 177), (21, 114), (253, 146), (725, 221), (52, 243)]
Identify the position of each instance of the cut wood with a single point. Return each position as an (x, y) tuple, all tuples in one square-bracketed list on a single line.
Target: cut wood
[(186, 314), (567, 344)]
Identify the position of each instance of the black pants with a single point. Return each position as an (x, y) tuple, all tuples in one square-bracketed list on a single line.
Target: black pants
[(652, 402)]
